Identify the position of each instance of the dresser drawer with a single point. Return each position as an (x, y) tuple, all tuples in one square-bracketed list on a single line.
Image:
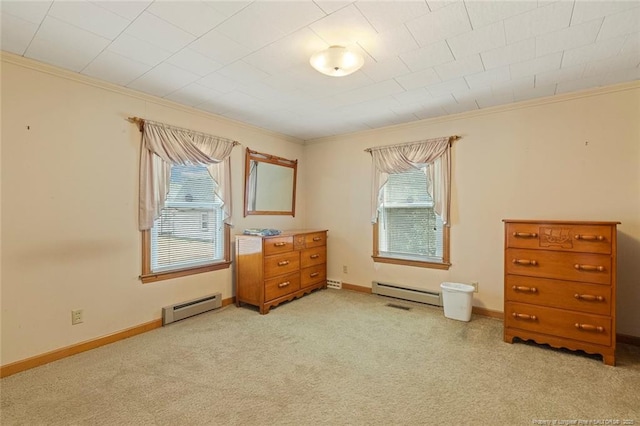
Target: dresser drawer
[(281, 264), (278, 245), (557, 322), (281, 286), (563, 237), (313, 274), (313, 256), (589, 298), (592, 268), (315, 239)]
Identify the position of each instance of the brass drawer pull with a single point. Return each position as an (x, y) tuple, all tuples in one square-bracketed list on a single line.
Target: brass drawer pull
[(524, 316), (283, 263), (589, 327), (280, 244), (525, 262), (284, 284), (588, 297), (589, 237), (314, 256), (589, 268), (525, 235), (524, 289), (314, 274), (317, 239)]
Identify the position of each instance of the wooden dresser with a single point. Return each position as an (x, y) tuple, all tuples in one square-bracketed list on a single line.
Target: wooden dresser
[(560, 284), (274, 269)]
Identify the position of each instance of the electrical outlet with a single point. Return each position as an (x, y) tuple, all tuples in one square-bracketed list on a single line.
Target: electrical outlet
[(77, 316), (345, 270), (475, 286)]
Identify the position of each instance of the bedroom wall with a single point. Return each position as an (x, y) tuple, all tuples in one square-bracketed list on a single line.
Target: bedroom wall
[(572, 157), (69, 207)]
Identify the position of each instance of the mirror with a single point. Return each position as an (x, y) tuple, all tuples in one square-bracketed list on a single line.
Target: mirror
[(270, 184)]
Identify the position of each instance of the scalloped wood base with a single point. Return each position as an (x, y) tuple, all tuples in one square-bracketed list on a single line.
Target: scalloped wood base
[(608, 353), (264, 309)]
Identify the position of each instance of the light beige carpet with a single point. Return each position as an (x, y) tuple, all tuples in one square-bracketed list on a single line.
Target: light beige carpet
[(332, 357)]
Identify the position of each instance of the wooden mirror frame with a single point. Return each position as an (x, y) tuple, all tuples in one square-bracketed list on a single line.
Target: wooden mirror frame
[(275, 160)]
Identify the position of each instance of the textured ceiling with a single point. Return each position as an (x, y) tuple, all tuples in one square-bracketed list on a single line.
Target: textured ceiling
[(249, 61)]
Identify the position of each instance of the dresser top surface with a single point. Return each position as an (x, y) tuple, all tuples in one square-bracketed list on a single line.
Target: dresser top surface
[(563, 222), (287, 233)]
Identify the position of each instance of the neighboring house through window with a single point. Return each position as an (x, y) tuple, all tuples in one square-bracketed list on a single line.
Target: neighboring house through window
[(190, 235), (190, 229)]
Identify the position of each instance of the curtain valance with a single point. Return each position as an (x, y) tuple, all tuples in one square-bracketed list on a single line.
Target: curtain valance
[(163, 146), (433, 154)]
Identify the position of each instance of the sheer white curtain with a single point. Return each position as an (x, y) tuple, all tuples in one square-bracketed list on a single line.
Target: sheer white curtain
[(164, 145), (434, 154)]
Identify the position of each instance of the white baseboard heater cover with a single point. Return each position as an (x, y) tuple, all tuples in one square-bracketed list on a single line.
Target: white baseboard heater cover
[(407, 293), (190, 308)]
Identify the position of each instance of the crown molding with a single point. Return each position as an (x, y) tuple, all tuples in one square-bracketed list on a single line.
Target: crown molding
[(622, 87), (32, 64)]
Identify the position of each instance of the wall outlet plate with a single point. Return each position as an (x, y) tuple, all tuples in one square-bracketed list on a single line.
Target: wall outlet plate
[(77, 316)]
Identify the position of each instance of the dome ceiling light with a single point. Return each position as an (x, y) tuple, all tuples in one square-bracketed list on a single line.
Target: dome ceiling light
[(337, 61)]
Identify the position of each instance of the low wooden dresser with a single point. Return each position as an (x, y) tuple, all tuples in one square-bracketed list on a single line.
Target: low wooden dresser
[(274, 269), (560, 284)]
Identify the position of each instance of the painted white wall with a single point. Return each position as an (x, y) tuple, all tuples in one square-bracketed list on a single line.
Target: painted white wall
[(69, 207), (569, 158)]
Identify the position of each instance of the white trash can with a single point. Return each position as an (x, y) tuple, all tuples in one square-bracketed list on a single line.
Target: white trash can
[(456, 300)]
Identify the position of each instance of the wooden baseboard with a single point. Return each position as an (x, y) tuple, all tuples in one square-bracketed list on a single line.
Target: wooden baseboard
[(358, 288), (487, 312), (38, 360)]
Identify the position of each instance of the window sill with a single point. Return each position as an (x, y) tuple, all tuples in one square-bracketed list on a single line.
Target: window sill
[(153, 277), (407, 262)]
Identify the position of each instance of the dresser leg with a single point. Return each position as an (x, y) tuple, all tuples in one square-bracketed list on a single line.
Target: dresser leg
[(609, 359), (507, 338)]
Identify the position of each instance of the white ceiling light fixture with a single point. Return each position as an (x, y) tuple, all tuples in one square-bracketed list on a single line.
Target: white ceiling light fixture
[(337, 61)]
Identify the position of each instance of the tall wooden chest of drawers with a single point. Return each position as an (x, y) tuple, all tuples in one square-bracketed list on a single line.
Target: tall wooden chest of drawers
[(274, 269), (560, 284)]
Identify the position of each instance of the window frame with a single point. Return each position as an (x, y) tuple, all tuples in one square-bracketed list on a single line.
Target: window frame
[(411, 260)]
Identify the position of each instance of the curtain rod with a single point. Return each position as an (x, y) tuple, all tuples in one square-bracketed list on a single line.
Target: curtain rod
[(451, 139), (140, 122)]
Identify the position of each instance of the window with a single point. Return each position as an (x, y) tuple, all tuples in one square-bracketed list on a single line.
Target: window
[(190, 235), (408, 230)]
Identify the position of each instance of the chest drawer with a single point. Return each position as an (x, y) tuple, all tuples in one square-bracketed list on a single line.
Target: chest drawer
[(281, 264), (313, 256), (282, 285), (557, 322), (565, 237), (589, 298), (313, 275), (277, 245), (585, 267), (315, 239)]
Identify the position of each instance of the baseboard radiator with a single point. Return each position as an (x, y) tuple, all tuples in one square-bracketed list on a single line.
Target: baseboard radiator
[(406, 293), (190, 308)]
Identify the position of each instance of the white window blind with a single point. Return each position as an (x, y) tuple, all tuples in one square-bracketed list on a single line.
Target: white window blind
[(409, 228), (189, 231)]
